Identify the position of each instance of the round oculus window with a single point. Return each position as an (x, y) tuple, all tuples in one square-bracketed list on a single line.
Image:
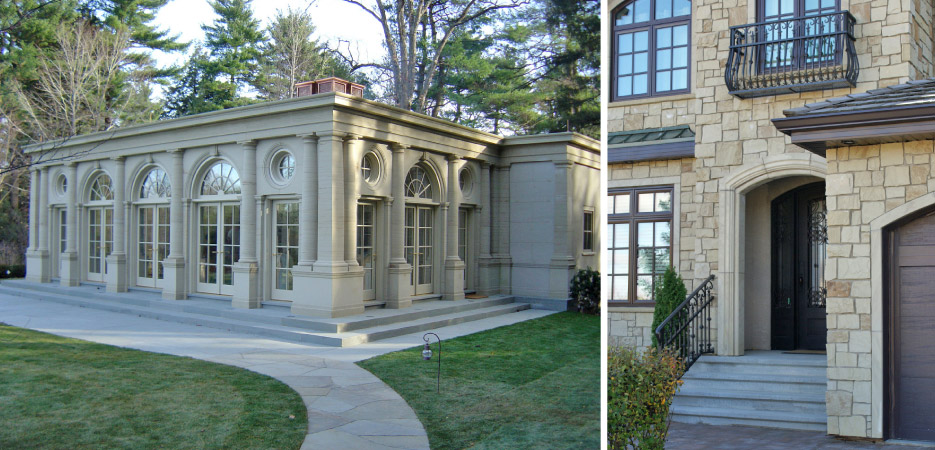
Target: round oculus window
[(370, 168), (61, 185), (465, 181), (283, 167)]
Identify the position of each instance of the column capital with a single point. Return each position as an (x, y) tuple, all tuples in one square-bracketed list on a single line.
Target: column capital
[(311, 137), (69, 164), (451, 157), (119, 158), (485, 164), (352, 137), (176, 151), (249, 144), (396, 147), (564, 164)]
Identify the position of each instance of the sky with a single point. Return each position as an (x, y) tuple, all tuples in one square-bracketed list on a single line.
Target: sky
[(334, 20)]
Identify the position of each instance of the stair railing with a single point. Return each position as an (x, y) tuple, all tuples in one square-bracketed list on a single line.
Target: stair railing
[(687, 331)]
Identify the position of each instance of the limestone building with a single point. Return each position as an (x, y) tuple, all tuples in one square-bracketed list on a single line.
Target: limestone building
[(783, 148), (328, 203)]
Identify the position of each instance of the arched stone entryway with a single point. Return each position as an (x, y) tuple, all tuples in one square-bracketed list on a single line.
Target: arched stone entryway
[(732, 218)]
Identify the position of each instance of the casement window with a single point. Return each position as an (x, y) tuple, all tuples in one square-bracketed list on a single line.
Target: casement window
[(639, 230), (788, 51), (652, 47), (587, 242)]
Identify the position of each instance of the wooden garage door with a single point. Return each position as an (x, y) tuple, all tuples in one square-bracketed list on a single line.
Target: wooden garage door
[(911, 335)]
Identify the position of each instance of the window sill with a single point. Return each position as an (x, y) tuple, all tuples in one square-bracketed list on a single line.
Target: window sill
[(654, 99), (587, 253), (615, 307)]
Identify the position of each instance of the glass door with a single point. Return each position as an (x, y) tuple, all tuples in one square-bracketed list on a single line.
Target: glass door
[(286, 248), (59, 243), (152, 245), (463, 243), (218, 247), (100, 241), (419, 247), (365, 247)]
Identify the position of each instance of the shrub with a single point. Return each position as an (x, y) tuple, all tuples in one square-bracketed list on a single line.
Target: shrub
[(640, 387), (585, 291), (670, 293), (12, 271)]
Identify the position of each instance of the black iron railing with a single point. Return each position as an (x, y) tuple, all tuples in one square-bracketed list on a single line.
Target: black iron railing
[(687, 331), (792, 55)]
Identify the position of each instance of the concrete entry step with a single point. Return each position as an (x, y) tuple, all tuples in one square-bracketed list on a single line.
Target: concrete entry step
[(276, 321), (764, 389)]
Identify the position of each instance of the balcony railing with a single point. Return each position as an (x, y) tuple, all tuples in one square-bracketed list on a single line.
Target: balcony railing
[(792, 55)]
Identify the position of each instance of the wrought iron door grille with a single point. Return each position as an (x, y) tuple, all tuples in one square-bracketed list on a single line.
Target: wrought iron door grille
[(792, 55)]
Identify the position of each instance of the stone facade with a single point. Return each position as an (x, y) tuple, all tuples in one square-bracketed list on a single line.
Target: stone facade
[(738, 149)]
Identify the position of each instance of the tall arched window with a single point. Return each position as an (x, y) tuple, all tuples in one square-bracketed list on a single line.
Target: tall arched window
[(418, 184), (100, 223), (651, 48), (221, 179), (156, 185)]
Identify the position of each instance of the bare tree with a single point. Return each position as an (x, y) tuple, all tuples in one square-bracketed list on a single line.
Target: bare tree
[(416, 33), (292, 54)]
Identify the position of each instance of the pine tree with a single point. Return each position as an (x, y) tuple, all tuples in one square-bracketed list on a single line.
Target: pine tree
[(234, 42), (670, 293)]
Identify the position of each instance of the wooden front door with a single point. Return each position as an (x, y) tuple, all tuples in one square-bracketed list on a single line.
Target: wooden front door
[(909, 319), (799, 242)]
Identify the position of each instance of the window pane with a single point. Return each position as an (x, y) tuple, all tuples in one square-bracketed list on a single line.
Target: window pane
[(624, 86), (645, 261), (663, 201), (641, 41), (663, 9), (680, 57), (621, 263), (663, 59), (625, 43), (644, 288), (620, 288), (680, 79), (772, 7), (680, 34), (640, 62), (662, 260), (642, 11), (623, 204), (624, 17), (663, 37), (621, 235), (640, 85), (663, 81), (684, 8), (645, 234), (646, 203), (610, 204), (663, 234), (624, 64)]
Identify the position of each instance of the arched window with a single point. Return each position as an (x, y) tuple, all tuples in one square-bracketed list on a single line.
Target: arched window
[(651, 48), (156, 185), (101, 189), (418, 184), (221, 179)]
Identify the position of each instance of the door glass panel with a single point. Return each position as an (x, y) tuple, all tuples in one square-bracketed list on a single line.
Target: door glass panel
[(462, 240), (425, 246), (145, 238), (208, 244), (287, 243), (94, 241), (230, 233), (62, 230), (410, 243), (365, 247), (162, 240), (817, 245)]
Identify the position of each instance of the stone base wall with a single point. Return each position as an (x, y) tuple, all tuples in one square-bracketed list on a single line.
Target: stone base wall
[(630, 327), (863, 184)]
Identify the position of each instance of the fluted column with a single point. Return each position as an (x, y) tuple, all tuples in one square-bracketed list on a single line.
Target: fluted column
[(485, 259), (399, 293), (308, 212), (246, 269), (174, 264), (69, 273), (117, 260), (562, 265), (454, 267), (353, 152), (38, 267)]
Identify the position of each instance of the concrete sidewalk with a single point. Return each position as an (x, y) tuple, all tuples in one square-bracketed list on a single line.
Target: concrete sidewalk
[(711, 437), (348, 407)]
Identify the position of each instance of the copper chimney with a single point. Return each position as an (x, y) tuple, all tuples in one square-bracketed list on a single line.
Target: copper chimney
[(330, 84)]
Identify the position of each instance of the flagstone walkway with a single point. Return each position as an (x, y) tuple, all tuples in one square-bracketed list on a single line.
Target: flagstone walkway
[(348, 407)]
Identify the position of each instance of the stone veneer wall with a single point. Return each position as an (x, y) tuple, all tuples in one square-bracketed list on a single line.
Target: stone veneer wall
[(863, 183)]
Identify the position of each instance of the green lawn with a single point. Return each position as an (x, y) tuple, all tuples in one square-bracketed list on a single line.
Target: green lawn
[(535, 384), (57, 392)]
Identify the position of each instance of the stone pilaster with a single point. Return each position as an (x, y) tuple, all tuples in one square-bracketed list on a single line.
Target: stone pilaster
[(117, 260), (454, 267), (562, 265), (38, 269), (501, 204), (308, 212), (174, 265), (485, 261), (69, 273), (329, 289), (246, 271), (352, 155), (399, 294)]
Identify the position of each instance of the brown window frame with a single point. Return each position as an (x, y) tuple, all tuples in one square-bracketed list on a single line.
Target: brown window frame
[(634, 217), (650, 27)]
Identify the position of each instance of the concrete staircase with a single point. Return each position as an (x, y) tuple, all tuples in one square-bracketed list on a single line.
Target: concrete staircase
[(762, 388), (275, 321)]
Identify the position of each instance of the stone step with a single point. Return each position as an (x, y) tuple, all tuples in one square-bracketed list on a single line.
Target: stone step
[(815, 366), (816, 385), (692, 395), (767, 419), (141, 308)]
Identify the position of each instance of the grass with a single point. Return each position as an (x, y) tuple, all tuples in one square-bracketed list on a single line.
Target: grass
[(58, 392), (534, 384)]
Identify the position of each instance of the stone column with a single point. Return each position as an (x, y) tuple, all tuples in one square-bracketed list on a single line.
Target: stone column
[(70, 275), (174, 264), (246, 269), (117, 260), (330, 289), (399, 294), (562, 265), (308, 210), (454, 267), (485, 261), (38, 267), (352, 154)]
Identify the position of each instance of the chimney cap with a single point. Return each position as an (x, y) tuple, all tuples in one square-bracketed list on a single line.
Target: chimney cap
[(330, 84)]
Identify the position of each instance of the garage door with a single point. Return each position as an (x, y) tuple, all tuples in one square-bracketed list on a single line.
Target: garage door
[(911, 334)]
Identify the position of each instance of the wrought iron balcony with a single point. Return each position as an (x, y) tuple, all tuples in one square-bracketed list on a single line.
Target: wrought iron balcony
[(792, 55)]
